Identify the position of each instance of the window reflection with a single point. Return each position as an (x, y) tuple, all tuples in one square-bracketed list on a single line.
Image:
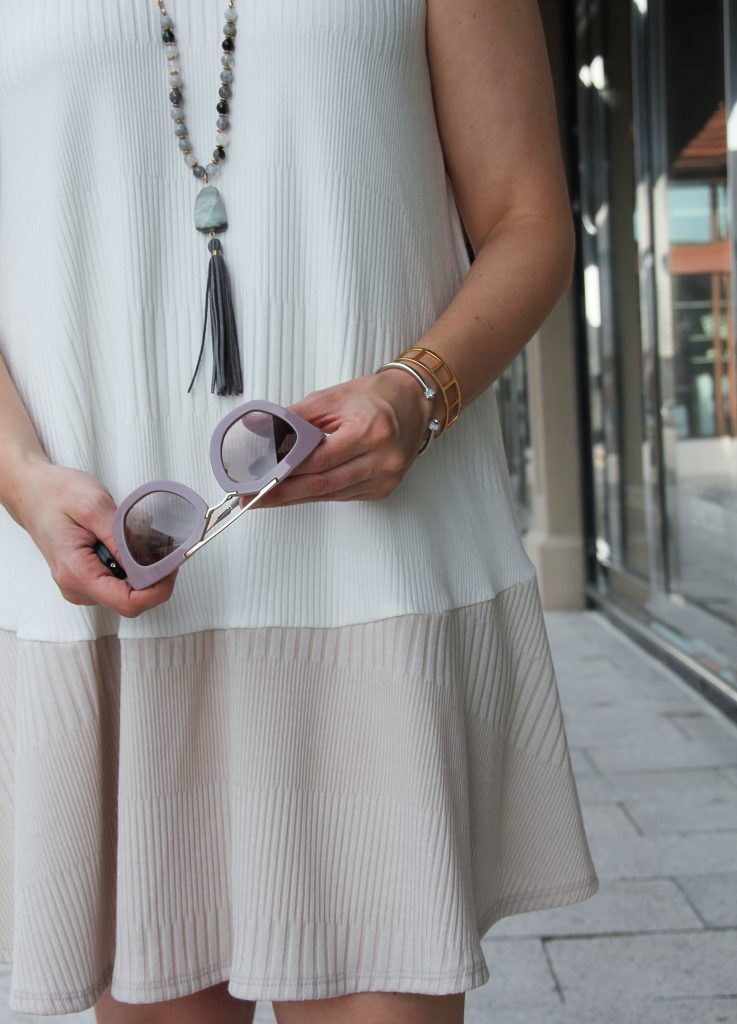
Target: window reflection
[(698, 352)]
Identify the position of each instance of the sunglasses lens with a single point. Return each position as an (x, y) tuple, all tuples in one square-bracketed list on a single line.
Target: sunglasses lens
[(254, 444), (158, 524)]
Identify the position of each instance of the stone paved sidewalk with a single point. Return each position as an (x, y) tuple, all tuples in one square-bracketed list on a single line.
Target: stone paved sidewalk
[(656, 768)]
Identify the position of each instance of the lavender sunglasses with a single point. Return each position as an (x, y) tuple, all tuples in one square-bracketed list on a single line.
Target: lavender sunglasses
[(162, 523)]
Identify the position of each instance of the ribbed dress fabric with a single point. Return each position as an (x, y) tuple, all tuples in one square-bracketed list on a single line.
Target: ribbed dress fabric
[(336, 756)]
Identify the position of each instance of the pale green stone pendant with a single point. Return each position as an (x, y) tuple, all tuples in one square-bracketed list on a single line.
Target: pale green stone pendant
[(209, 210)]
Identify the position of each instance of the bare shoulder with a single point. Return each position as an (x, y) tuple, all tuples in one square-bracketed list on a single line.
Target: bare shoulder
[(495, 108)]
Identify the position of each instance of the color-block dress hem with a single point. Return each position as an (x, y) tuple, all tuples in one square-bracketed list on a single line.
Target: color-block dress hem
[(302, 812), (475, 974)]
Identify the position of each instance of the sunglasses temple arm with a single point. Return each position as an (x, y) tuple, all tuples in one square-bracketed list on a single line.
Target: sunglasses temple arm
[(231, 519)]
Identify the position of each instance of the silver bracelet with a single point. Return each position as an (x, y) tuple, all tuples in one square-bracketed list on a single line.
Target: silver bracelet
[(434, 424)]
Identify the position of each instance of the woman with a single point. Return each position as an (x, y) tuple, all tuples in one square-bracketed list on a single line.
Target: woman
[(318, 764)]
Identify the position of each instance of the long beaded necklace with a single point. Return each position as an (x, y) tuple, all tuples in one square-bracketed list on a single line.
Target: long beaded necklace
[(209, 210)]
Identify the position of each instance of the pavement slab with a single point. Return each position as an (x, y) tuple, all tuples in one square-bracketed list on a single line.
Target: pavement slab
[(714, 897), (629, 856), (639, 905), (665, 965), (629, 754), (683, 814), (668, 784)]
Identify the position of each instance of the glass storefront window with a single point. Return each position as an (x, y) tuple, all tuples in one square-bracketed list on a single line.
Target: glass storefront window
[(511, 392), (701, 403), (656, 207), (696, 342), (512, 398)]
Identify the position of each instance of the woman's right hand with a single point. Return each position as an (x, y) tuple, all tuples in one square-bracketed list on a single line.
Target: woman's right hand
[(66, 511)]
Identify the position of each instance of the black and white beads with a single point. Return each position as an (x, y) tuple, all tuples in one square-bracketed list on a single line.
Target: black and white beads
[(176, 97)]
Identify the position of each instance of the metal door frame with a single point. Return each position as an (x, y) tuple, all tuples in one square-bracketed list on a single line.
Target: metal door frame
[(730, 74), (647, 106), (600, 338)]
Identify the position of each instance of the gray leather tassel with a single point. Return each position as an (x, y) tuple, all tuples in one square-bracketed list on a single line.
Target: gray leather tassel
[(227, 376)]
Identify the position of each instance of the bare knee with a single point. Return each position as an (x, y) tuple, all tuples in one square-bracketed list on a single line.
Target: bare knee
[(373, 1008), (209, 1005)]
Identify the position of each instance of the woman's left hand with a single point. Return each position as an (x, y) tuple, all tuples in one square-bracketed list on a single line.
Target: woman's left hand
[(376, 425)]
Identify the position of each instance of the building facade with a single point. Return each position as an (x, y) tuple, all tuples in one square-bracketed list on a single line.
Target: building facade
[(620, 416)]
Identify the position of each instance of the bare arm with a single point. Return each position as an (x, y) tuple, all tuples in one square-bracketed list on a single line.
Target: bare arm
[(65, 511), (19, 442), (495, 108)]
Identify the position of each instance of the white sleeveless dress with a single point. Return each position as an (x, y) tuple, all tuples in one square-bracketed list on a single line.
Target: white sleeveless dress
[(336, 756)]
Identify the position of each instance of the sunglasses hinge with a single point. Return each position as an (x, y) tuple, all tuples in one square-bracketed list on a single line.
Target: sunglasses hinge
[(232, 518), (212, 508)]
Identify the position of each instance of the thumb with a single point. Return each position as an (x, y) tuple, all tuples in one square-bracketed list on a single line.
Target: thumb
[(311, 404)]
